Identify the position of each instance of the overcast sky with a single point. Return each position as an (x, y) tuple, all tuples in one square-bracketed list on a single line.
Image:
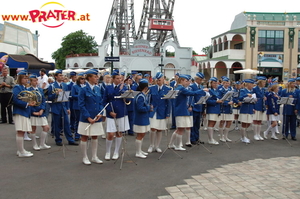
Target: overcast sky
[(196, 21)]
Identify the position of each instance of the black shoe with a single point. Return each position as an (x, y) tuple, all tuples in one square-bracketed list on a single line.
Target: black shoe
[(73, 143), (59, 144), (201, 142), (3, 122), (131, 134), (188, 145), (11, 123), (194, 142), (293, 138)]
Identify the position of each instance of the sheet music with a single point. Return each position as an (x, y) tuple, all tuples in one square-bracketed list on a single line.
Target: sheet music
[(171, 94), (227, 96), (128, 94), (249, 100), (286, 100), (63, 96), (203, 99)]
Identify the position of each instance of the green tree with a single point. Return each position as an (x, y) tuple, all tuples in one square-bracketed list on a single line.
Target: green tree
[(194, 53), (205, 50), (74, 43)]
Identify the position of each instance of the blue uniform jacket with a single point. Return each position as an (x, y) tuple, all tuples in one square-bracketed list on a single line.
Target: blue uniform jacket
[(212, 107), (182, 102), (162, 107), (235, 98), (289, 109), (141, 110), (90, 103), (246, 108), (273, 107), (42, 106), (118, 103), (57, 107), (198, 107), (225, 107), (75, 92), (20, 107), (260, 94)]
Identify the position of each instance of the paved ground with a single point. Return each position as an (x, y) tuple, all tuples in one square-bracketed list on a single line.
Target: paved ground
[(258, 170)]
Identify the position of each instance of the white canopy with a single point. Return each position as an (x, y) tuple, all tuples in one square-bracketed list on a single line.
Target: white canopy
[(247, 71)]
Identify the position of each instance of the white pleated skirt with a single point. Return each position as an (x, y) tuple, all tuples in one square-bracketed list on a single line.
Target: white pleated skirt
[(123, 124), (159, 124), (95, 129), (235, 111), (226, 117), (38, 121), (274, 118), (213, 117), (246, 118), (22, 123), (260, 116), (141, 129), (184, 121)]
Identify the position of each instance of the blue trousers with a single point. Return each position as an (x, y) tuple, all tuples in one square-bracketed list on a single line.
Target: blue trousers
[(59, 121), (289, 125), (130, 119), (76, 122), (72, 119), (195, 134), (173, 116)]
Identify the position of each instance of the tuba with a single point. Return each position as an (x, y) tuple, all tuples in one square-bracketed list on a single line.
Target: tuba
[(29, 96)]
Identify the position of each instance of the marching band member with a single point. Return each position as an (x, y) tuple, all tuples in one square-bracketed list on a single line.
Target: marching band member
[(71, 83), (273, 110), (38, 117), (197, 109), (213, 109), (116, 113), (173, 84), (141, 123), (21, 114), (60, 110), (182, 111), (236, 102), (161, 111), (129, 105), (246, 111), (226, 112), (290, 111), (90, 104), (80, 83), (259, 107)]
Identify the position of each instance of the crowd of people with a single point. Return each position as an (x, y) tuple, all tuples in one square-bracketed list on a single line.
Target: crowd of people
[(96, 108)]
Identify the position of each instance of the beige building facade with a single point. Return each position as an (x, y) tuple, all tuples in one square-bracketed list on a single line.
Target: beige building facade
[(267, 42)]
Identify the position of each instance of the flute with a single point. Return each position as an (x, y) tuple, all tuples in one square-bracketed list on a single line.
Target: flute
[(96, 116)]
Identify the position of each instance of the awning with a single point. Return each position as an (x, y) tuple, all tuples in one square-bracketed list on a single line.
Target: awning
[(27, 61)]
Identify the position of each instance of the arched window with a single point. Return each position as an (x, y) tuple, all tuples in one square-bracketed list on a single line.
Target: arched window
[(75, 65), (170, 51), (89, 64)]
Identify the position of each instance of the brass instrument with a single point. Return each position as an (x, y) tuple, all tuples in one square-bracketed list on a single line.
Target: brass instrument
[(31, 96), (55, 90), (235, 105)]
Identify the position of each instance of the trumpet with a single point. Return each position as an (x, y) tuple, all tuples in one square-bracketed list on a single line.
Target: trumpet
[(31, 96), (235, 105), (55, 90)]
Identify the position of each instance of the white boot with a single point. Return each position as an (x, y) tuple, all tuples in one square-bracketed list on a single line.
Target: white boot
[(179, 141), (258, 132), (118, 142), (26, 137), (43, 144), (152, 140), (255, 132), (244, 137), (108, 147), (267, 131), (221, 132), (273, 130), (138, 153), (22, 153), (226, 131), (157, 141), (34, 143), (85, 159), (94, 152), (172, 140), (211, 140)]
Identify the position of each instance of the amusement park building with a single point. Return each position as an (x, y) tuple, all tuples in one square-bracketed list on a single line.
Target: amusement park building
[(268, 42)]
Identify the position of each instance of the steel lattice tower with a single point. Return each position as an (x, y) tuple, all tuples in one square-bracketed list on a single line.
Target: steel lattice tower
[(161, 10), (122, 17)]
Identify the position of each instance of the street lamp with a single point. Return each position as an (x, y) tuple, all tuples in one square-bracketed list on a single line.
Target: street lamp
[(161, 60), (112, 30), (260, 56)]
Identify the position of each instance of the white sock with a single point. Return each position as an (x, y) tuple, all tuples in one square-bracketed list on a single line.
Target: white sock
[(158, 138), (276, 129), (33, 138), (94, 147), (43, 138), (138, 147), (179, 140), (188, 136), (210, 131), (269, 128), (108, 145), (226, 131), (20, 144), (172, 140), (83, 146), (221, 132), (152, 137), (118, 142), (243, 132), (258, 130)]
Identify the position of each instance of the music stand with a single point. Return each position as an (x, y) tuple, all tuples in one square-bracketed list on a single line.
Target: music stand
[(63, 96), (172, 94), (129, 94), (202, 100)]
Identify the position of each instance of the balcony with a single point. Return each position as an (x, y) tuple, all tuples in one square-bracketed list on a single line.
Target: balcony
[(231, 53)]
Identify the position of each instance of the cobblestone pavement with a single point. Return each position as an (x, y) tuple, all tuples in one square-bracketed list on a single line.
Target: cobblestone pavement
[(259, 178)]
